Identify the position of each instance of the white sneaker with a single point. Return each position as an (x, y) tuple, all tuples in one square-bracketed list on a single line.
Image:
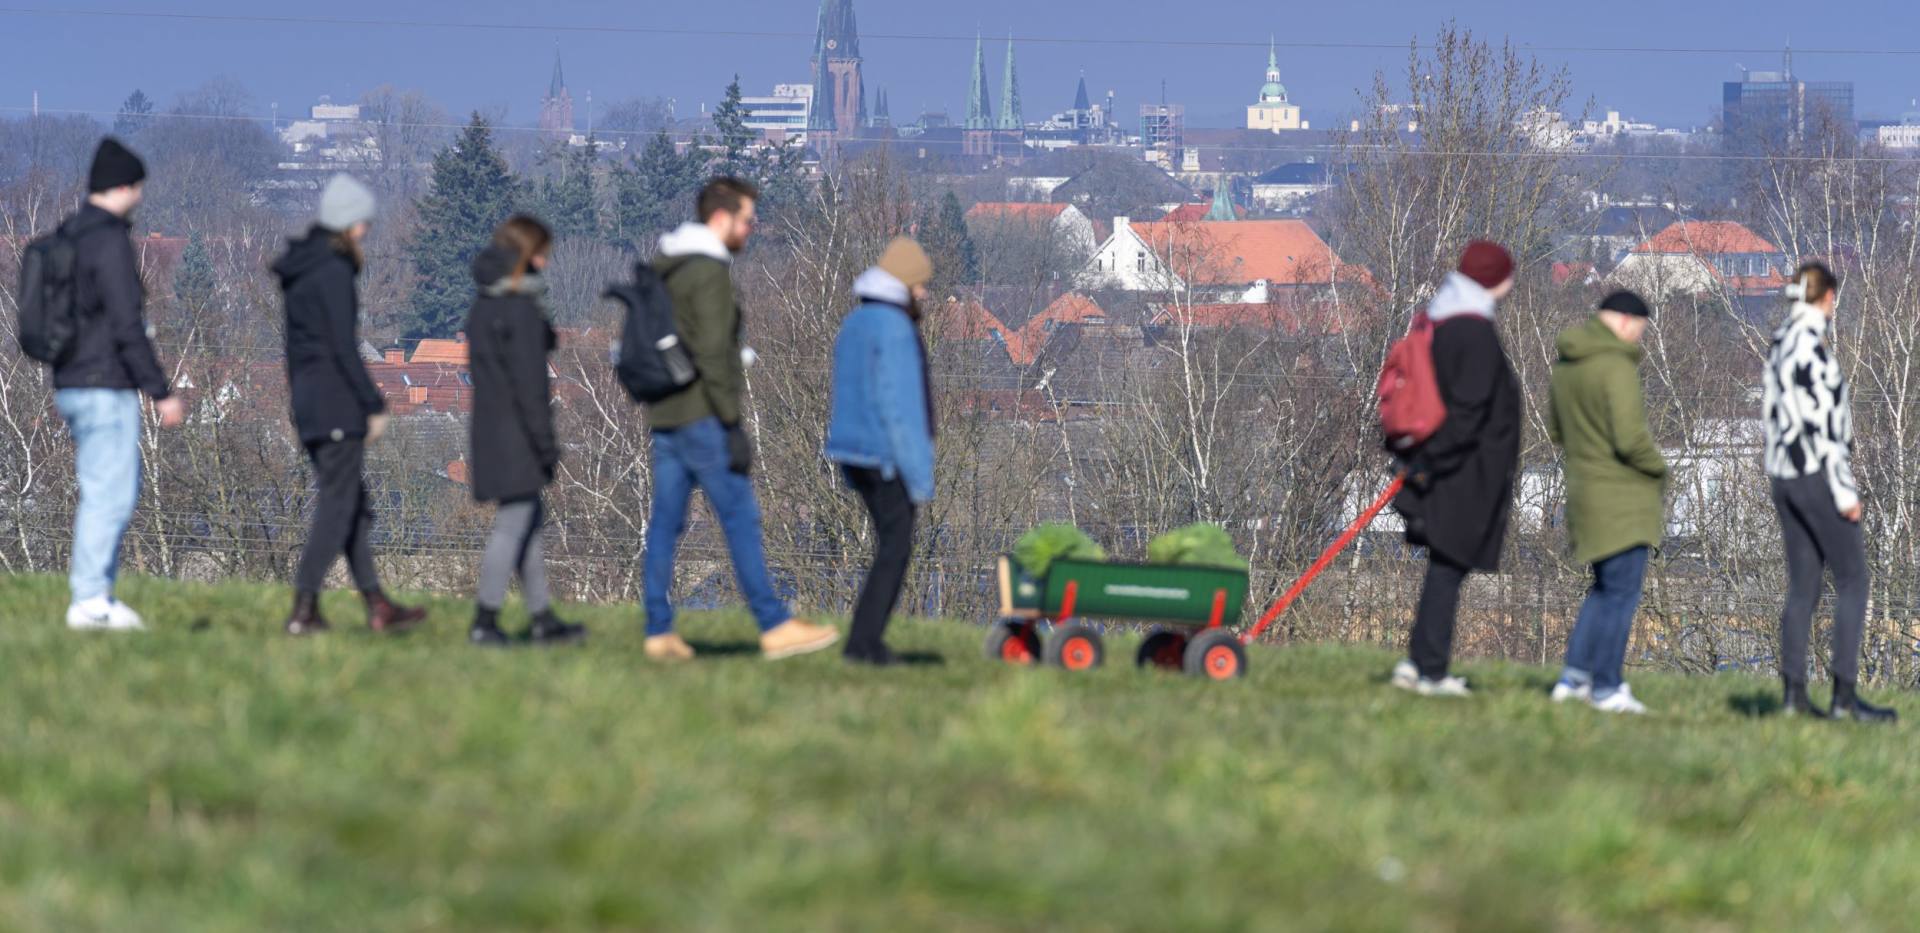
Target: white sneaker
[(1444, 687), (102, 614), (1405, 676), (124, 619), (1563, 691), (1621, 701), (94, 614)]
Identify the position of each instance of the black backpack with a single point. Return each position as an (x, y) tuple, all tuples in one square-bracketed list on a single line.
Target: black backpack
[(48, 299), (654, 363)]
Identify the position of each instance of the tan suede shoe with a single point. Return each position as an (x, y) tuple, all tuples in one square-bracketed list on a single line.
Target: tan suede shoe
[(668, 647), (796, 637)]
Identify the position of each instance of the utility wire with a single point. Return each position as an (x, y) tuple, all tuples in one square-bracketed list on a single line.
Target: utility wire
[(687, 32)]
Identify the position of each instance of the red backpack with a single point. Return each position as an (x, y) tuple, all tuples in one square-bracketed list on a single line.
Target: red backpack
[(1408, 395)]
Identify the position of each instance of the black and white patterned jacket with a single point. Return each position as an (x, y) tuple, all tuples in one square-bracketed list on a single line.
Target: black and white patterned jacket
[(1809, 414)]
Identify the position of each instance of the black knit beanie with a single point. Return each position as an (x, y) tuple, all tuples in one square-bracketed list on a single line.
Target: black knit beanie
[(114, 165), (1626, 303)]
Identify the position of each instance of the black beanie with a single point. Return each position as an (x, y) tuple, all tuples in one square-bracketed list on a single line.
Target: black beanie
[(1626, 303), (114, 165)]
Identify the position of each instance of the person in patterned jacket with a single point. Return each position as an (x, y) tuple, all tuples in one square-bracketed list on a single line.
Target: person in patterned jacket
[(1809, 462)]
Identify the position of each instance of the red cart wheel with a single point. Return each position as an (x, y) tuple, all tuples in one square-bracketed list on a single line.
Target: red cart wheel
[(1216, 654), (1013, 641), (1075, 648), (1163, 649)]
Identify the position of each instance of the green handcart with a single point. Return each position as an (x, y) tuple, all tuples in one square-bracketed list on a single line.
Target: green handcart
[(1193, 609)]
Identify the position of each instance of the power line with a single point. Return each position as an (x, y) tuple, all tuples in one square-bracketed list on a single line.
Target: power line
[(673, 32)]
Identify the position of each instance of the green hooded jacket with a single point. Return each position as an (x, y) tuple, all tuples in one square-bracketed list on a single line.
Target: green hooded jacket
[(1616, 477)]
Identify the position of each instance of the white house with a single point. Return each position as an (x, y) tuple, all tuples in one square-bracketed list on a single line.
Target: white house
[(1701, 257), (1222, 259), (1289, 186)]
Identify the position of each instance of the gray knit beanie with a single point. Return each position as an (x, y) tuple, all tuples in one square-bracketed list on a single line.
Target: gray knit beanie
[(345, 202)]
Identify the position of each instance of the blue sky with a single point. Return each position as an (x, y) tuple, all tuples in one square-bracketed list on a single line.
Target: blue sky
[(91, 63)]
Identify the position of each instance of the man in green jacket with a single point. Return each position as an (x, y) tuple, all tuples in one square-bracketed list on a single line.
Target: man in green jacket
[(699, 441), (1616, 484)]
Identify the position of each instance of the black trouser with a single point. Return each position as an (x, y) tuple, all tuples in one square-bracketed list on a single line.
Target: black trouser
[(892, 512), (342, 518), (1431, 646), (1818, 539)]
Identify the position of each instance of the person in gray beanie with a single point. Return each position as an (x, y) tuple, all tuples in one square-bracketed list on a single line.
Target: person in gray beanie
[(337, 409)]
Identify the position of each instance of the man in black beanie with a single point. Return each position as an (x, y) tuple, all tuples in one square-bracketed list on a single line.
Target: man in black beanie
[(1616, 486), (98, 386)]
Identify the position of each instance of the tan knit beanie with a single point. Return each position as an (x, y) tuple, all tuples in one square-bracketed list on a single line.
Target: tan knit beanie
[(906, 261)]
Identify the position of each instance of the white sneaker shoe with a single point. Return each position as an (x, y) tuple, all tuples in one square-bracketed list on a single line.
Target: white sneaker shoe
[(1563, 691), (1621, 701), (102, 614), (124, 619), (1444, 687), (1405, 676)]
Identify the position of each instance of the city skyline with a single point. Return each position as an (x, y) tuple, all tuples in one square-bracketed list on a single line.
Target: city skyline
[(920, 58)]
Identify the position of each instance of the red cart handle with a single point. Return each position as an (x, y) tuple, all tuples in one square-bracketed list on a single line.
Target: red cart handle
[(1326, 558)]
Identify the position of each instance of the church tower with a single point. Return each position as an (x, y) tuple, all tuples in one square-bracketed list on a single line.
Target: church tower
[(839, 89), (556, 109), (1274, 111)]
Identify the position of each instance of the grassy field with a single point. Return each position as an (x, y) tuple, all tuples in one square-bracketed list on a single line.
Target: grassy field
[(213, 775)]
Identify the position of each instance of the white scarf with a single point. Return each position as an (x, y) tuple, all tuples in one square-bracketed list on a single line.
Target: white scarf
[(1459, 295)]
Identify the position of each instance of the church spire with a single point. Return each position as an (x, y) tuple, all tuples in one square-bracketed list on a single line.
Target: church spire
[(1080, 101), (1222, 208), (1010, 116), (558, 85), (979, 98)]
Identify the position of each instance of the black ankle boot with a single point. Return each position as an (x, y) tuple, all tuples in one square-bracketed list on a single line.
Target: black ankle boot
[(306, 618), (486, 631), (547, 629), (1797, 703), (1848, 705)]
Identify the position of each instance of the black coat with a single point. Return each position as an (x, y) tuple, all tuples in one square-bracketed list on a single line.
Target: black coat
[(508, 340), (1460, 511), (112, 350), (332, 394)]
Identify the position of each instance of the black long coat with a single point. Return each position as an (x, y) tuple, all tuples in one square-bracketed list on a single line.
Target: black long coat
[(1461, 511), (332, 394), (514, 451)]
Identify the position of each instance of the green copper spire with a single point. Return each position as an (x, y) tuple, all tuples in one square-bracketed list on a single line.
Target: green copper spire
[(1010, 117), (979, 104), (1222, 208)]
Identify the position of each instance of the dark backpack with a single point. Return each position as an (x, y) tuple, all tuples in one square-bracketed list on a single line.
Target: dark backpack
[(654, 363), (48, 298)]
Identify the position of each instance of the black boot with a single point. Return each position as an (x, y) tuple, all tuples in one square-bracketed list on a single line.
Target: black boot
[(306, 618), (1797, 703), (547, 629), (486, 632), (1848, 705), (386, 618)]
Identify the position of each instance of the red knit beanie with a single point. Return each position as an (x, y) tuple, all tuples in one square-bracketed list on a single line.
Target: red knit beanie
[(1486, 263)]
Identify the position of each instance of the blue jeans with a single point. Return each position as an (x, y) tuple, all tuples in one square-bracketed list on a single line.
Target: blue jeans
[(696, 456), (105, 424), (1597, 650)]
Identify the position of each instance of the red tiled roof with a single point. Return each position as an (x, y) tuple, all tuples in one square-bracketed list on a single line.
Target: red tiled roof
[(1706, 238), (970, 320), (1283, 252), (1565, 272), (458, 472), (1274, 316), (1006, 210), (451, 352)]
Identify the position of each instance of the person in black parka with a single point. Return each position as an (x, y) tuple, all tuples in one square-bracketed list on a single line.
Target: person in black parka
[(337, 410), (514, 452), (1459, 493)]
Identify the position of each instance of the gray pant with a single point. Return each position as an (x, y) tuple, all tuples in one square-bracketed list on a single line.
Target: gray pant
[(516, 544), (1819, 538)]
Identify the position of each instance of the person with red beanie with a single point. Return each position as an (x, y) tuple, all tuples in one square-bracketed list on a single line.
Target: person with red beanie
[(1459, 490)]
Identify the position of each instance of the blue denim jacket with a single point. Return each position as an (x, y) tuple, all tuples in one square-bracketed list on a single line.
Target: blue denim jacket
[(879, 418)]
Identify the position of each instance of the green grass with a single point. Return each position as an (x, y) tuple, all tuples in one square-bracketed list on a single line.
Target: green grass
[(214, 775)]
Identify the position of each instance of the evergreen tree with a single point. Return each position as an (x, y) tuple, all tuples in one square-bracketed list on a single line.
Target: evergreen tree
[(473, 191), (736, 139), (567, 200), (193, 281), (943, 231), (655, 190), (134, 114)]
